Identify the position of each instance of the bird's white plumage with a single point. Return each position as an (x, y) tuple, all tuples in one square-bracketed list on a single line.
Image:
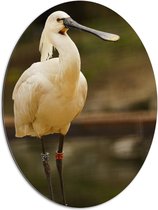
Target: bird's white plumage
[(50, 93)]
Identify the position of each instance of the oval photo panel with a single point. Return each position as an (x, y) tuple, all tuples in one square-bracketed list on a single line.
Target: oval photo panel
[(79, 104)]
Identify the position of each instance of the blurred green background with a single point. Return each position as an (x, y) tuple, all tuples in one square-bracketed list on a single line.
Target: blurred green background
[(120, 78)]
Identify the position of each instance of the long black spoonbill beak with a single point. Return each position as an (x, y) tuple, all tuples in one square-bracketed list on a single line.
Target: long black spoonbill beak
[(70, 23)]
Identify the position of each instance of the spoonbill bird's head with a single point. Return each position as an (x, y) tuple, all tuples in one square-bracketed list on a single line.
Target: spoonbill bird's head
[(55, 22), (58, 23)]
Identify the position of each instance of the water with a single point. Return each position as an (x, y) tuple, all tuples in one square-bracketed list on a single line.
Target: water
[(95, 169)]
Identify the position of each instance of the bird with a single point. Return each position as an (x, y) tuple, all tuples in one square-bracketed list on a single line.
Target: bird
[(51, 93)]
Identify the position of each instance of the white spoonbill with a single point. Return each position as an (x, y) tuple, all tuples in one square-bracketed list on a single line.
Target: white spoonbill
[(52, 92)]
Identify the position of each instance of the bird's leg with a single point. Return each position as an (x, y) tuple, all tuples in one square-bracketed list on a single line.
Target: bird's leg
[(47, 170), (59, 158)]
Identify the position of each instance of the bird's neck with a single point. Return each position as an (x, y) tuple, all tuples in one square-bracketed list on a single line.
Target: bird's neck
[(69, 62)]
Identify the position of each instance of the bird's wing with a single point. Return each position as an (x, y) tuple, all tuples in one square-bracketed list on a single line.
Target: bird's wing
[(26, 95), (44, 68), (82, 90), (83, 87)]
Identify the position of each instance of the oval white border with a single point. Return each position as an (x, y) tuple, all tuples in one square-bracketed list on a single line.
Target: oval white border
[(15, 193)]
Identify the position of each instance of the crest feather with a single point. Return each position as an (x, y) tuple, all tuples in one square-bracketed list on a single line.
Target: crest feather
[(45, 47)]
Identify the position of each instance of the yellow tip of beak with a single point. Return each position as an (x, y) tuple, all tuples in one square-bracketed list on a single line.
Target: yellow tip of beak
[(115, 38)]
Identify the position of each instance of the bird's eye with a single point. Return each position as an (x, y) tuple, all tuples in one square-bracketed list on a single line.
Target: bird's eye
[(58, 19)]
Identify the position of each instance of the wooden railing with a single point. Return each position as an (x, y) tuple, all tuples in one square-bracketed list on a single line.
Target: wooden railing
[(104, 124)]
